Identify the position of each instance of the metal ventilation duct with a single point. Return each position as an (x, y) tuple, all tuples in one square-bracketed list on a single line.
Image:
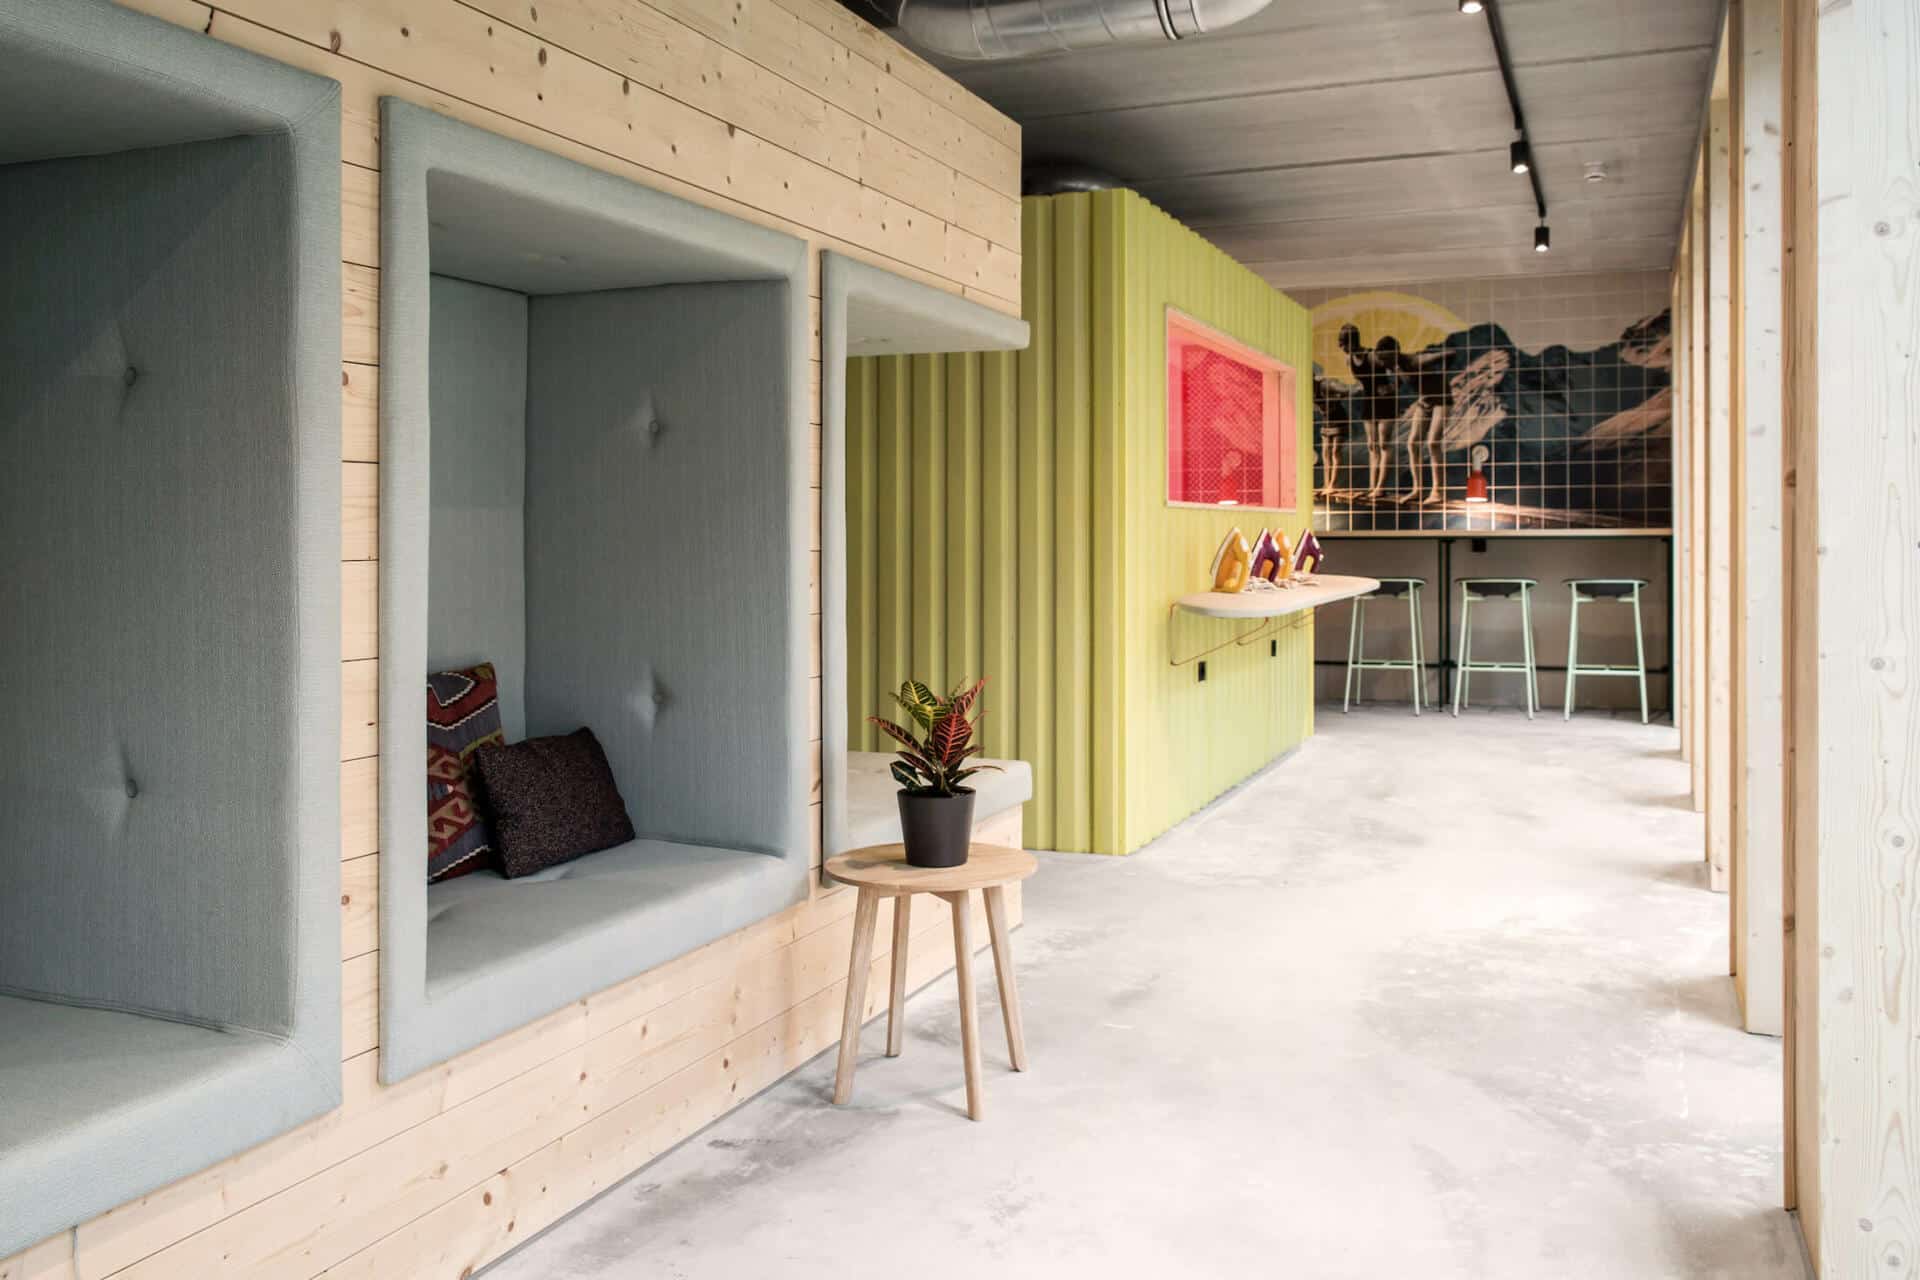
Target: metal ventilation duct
[(990, 30)]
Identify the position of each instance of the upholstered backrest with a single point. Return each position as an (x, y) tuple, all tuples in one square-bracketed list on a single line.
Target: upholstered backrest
[(477, 533), (149, 509), (658, 462)]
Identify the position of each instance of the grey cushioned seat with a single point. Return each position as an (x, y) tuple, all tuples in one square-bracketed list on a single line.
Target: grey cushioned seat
[(642, 896), (170, 660), (594, 474), (873, 814), (868, 311)]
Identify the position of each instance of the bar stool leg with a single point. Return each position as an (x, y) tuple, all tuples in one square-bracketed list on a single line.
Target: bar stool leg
[(1573, 652), (1353, 648), (1420, 642), (1413, 640), (1526, 638), (1640, 654), (1466, 652)]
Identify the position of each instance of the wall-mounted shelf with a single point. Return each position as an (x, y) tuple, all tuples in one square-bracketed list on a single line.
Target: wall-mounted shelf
[(1265, 606), (1325, 588)]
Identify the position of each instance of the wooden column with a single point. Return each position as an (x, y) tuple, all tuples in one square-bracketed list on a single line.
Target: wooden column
[(1759, 631), (1721, 358), (1697, 477), (1854, 427)]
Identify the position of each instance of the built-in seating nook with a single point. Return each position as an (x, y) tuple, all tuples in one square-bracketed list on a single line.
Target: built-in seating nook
[(866, 310), (593, 450), (169, 398)]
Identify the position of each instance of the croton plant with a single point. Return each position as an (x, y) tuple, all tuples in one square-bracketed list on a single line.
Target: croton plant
[(933, 753)]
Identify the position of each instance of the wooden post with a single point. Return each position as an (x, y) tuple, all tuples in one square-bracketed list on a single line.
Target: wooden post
[(1758, 802), (1855, 632), (1721, 356), (1697, 480)]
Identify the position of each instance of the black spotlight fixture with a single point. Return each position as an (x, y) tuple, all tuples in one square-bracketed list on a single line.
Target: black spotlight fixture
[(1542, 239), (1519, 156), (1471, 6)]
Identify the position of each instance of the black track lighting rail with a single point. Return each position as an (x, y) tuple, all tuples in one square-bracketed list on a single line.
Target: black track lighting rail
[(1505, 59)]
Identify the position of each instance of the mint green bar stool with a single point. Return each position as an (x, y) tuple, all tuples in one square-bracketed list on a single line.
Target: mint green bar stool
[(1484, 589), (1357, 661), (1596, 591)]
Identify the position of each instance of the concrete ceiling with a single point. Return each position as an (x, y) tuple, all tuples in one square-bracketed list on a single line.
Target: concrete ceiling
[(1333, 142)]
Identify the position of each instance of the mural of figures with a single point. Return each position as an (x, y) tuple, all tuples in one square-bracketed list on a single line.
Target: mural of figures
[(1575, 425)]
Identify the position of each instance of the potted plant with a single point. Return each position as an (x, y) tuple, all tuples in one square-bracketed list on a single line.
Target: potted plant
[(936, 811)]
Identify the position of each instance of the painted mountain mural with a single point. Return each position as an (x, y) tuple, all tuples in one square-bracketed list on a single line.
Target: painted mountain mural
[(1472, 432)]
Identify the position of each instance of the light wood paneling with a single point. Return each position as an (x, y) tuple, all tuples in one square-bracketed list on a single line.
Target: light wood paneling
[(359, 413), (787, 113)]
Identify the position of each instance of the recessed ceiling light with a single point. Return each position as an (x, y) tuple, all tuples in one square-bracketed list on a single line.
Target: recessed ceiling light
[(1596, 171), (1471, 6)]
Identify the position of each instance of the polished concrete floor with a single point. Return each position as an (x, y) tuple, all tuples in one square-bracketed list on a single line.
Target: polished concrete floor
[(1432, 998)]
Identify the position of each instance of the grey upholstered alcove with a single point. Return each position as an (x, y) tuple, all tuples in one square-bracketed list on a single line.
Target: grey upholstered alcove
[(170, 509), (867, 311), (594, 475)]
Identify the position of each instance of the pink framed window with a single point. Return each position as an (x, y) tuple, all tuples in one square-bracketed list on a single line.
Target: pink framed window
[(1231, 438)]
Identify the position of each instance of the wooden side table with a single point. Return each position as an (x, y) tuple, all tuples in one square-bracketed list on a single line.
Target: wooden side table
[(881, 871)]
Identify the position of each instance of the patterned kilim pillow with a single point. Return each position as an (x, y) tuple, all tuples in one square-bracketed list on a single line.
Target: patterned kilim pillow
[(463, 714)]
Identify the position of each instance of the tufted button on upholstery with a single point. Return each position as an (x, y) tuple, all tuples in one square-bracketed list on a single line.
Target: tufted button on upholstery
[(133, 788), (131, 376), (654, 428), (659, 698)]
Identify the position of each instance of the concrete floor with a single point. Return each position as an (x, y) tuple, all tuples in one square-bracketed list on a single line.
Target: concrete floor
[(1432, 998)]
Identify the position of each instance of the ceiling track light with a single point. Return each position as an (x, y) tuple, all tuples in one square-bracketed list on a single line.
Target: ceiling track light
[(1542, 238), (1471, 6), (1519, 156)]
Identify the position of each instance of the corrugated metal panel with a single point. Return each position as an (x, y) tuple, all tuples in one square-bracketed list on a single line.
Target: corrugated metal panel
[(1007, 518)]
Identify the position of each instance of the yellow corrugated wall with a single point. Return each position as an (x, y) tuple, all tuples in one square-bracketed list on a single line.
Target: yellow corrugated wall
[(1006, 518), (1188, 741)]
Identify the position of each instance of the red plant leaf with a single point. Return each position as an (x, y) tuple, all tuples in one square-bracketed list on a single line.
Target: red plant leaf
[(962, 700), (950, 738)]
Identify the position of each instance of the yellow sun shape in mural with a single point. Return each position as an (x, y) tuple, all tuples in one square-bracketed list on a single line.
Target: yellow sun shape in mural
[(1415, 323)]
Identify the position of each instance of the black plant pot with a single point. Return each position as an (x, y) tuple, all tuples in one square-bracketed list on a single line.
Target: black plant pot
[(937, 829)]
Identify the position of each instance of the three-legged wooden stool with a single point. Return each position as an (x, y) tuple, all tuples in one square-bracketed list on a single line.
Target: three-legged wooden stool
[(881, 871)]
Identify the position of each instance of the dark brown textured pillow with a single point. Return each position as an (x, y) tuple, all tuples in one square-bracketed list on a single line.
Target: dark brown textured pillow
[(552, 800)]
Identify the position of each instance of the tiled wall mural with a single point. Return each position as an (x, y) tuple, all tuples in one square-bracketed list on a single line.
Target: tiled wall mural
[(1512, 404)]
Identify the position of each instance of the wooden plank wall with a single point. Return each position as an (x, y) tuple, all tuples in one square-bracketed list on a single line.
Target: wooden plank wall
[(1856, 725), (788, 113)]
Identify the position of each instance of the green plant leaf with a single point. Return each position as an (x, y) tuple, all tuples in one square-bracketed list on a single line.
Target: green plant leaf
[(919, 702), (906, 777)]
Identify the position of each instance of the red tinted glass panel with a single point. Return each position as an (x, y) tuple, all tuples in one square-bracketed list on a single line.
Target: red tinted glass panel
[(1230, 439)]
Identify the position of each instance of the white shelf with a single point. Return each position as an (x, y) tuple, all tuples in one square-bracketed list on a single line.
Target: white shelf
[(1322, 589)]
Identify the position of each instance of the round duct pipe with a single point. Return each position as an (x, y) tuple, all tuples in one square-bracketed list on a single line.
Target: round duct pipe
[(1059, 177), (991, 30)]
